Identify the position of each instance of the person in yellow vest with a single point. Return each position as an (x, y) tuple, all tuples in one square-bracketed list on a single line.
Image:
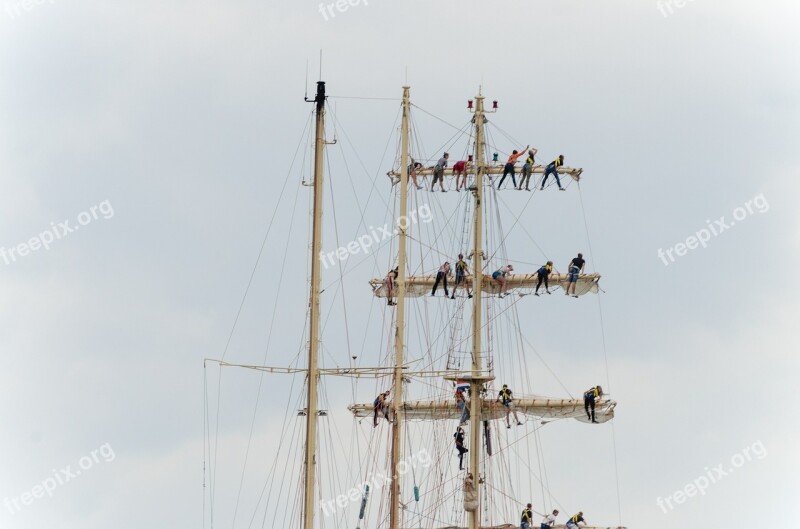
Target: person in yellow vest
[(527, 515), (572, 523), (543, 274), (505, 396), (552, 168), (588, 400), (462, 271), (527, 168)]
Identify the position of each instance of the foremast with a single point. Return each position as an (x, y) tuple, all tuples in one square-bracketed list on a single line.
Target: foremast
[(394, 514), (313, 340)]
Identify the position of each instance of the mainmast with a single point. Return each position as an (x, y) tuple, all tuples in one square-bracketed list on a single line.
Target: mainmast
[(402, 226), (313, 341), (476, 382)]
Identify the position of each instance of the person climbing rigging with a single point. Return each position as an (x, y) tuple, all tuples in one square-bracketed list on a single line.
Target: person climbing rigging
[(509, 167), (389, 282), (543, 274), (459, 436), (527, 516), (460, 172), (552, 168), (550, 520), (462, 271), (500, 276), (461, 402), (572, 523), (505, 396), (589, 397), (527, 168), (438, 172), (380, 405), (441, 276), (575, 268)]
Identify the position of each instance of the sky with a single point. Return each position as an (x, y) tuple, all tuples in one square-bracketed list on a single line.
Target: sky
[(149, 149)]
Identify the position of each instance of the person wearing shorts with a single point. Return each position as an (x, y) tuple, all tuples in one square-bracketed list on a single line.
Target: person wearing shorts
[(438, 172), (575, 268)]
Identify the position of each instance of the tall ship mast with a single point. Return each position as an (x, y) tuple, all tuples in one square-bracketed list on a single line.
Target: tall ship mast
[(456, 367)]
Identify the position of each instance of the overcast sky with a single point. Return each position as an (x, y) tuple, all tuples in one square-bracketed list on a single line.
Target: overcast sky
[(163, 133)]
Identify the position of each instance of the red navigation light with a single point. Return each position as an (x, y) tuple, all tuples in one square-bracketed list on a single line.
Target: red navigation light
[(494, 105), (469, 104)]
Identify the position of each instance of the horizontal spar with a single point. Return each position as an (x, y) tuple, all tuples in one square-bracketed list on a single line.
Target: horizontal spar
[(491, 410), (494, 170), (417, 286), (515, 526)]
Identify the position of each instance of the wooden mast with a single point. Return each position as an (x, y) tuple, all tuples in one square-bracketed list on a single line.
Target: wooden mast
[(402, 226), (476, 384), (313, 341)]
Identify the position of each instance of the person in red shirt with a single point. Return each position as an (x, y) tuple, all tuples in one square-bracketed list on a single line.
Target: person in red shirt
[(460, 170), (509, 168)]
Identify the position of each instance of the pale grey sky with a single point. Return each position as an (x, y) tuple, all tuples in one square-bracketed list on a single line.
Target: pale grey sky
[(177, 123)]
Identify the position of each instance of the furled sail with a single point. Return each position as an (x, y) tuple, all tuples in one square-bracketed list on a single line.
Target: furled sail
[(491, 409), (417, 286)]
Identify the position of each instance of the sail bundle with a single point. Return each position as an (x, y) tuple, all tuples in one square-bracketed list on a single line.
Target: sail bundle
[(491, 409), (417, 286)]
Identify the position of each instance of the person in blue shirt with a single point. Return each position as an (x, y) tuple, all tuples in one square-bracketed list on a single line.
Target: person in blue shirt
[(589, 397)]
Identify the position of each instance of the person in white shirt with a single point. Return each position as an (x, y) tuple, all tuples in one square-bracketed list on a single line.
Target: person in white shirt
[(550, 520), (500, 277), (444, 270)]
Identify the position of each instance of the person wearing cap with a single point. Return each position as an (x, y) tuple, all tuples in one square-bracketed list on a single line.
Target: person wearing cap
[(441, 276), (572, 523), (462, 271), (589, 397), (460, 172), (543, 274), (575, 268), (500, 277), (552, 168), (505, 396), (527, 515), (381, 405), (527, 168), (550, 520), (438, 172), (509, 167)]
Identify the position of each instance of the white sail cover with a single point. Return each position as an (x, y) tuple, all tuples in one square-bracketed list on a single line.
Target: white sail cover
[(432, 410), (491, 170), (417, 286)]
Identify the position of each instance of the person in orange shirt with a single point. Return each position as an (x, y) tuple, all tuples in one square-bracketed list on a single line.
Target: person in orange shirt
[(509, 168)]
